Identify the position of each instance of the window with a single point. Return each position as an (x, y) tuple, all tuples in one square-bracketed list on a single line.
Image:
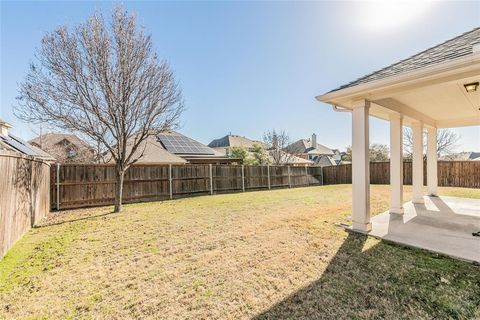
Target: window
[(72, 153)]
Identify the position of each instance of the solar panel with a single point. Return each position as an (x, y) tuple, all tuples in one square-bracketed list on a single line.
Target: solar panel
[(17, 145), (179, 144), (23, 146)]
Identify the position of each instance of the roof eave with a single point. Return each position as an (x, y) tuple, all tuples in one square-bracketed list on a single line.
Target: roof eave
[(427, 74)]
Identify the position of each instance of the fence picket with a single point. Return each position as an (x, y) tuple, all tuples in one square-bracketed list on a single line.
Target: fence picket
[(94, 185), (25, 184)]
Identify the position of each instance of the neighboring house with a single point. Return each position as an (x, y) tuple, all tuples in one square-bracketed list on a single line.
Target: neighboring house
[(191, 150), (337, 156), (474, 156), (171, 147), (290, 159), (65, 148), (325, 160), (154, 153), (310, 149), (462, 156), (11, 143), (224, 144)]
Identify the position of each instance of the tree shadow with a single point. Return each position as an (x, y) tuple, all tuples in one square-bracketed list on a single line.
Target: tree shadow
[(367, 279), (50, 223)]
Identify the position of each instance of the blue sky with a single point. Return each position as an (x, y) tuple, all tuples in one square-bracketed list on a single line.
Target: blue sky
[(246, 67)]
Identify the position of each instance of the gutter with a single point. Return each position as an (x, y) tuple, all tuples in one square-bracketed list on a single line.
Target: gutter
[(340, 108), (468, 63)]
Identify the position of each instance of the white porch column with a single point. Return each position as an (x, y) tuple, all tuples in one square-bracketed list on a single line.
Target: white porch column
[(396, 163), (361, 167), (417, 163), (432, 179)]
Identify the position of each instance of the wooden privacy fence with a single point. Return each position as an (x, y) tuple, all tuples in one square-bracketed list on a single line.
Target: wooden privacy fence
[(464, 174), (24, 199), (74, 186)]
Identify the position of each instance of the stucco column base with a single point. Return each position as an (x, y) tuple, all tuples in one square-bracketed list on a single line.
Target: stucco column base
[(362, 227), (397, 210)]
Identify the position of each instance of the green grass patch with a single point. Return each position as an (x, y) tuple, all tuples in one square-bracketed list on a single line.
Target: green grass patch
[(35, 254)]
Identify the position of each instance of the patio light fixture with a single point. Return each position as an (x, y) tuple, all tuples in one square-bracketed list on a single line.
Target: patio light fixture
[(471, 87)]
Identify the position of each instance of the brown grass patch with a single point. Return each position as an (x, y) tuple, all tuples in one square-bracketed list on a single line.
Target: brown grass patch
[(272, 254)]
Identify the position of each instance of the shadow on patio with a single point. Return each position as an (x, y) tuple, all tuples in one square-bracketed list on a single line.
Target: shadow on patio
[(442, 224), (369, 278)]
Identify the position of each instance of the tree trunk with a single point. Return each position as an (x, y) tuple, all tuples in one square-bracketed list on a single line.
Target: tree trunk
[(119, 190)]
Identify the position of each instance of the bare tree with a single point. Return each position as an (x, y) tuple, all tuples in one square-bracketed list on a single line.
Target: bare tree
[(277, 143), (446, 142), (103, 81), (377, 153)]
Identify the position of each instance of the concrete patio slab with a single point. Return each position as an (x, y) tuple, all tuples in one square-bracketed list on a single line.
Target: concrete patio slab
[(443, 224)]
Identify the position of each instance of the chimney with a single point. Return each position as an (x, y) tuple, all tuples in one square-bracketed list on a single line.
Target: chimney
[(314, 141), (4, 126)]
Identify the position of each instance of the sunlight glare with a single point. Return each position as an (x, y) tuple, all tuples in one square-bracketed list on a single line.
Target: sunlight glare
[(386, 15)]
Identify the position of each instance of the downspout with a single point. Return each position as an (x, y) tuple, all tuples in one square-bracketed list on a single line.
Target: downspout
[(340, 109)]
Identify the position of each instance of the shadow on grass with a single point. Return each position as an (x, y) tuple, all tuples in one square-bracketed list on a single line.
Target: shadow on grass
[(368, 279), (90, 217)]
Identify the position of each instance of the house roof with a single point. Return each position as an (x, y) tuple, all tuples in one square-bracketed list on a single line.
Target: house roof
[(324, 160), (190, 149), (292, 159), (50, 139), (179, 144), (15, 144), (231, 140), (305, 146), (474, 156), (154, 153), (449, 50)]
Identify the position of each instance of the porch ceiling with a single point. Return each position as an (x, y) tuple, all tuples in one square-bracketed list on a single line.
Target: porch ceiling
[(441, 105)]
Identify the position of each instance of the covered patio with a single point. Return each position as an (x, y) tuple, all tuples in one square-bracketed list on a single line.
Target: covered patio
[(437, 88)]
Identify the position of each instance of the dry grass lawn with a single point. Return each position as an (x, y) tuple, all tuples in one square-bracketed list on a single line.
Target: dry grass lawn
[(266, 255)]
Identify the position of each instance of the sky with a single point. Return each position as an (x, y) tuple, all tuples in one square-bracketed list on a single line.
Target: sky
[(248, 67)]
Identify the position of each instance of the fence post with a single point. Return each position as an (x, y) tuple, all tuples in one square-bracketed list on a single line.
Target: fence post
[(288, 172), (58, 186), (243, 178), (268, 176), (306, 175), (321, 174), (170, 182), (211, 178)]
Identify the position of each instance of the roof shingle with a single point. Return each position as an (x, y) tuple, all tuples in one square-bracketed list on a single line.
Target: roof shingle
[(452, 49), (233, 141)]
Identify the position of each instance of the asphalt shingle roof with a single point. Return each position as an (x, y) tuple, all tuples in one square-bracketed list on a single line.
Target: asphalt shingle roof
[(457, 47), (15, 144), (233, 141), (153, 152), (305, 146)]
